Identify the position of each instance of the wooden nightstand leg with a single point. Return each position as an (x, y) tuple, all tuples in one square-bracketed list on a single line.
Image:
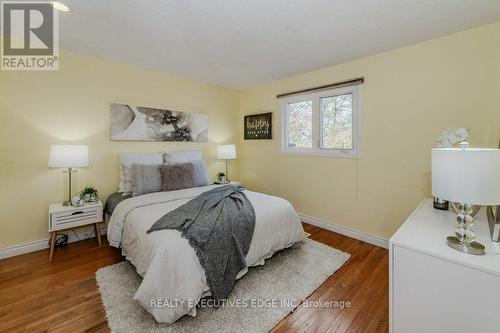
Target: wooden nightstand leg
[(52, 244), (97, 233)]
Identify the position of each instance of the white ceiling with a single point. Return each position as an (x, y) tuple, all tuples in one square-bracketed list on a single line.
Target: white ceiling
[(240, 43)]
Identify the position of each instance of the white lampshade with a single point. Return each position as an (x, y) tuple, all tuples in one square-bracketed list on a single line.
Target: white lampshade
[(226, 152), (469, 176), (68, 156)]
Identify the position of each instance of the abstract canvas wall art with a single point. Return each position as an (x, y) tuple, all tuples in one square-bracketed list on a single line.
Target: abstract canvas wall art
[(137, 123)]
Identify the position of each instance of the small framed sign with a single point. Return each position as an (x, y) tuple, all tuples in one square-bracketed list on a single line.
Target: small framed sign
[(259, 126)]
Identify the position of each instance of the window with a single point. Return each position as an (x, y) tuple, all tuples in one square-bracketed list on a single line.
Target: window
[(322, 123)]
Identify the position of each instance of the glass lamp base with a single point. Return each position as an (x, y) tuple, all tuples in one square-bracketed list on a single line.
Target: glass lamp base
[(470, 248)]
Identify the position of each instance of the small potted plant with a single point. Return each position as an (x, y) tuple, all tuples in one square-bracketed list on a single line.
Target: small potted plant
[(89, 194), (221, 177)]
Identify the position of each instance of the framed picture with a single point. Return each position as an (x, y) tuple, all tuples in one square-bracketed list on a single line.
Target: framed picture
[(258, 126), (138, 123)]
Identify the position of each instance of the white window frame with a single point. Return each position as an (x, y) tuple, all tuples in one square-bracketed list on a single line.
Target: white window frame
[(316, 149)]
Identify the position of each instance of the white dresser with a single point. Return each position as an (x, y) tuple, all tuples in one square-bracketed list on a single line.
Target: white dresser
[(434, 288)]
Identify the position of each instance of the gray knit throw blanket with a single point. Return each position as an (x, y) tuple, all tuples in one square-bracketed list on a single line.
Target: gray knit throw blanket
[(219, 225)]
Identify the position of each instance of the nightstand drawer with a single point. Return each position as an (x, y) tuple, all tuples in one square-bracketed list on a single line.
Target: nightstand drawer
[(76, 217)]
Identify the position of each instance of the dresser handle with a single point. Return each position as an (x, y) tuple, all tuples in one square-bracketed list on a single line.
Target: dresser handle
[(76, 213)]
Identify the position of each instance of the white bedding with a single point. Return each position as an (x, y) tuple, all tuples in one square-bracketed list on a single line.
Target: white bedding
[(168, 264)]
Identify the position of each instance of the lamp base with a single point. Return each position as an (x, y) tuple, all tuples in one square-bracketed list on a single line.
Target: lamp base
[(474, 248)]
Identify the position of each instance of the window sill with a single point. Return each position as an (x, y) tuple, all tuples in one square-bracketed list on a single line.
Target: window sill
[(331, 154)]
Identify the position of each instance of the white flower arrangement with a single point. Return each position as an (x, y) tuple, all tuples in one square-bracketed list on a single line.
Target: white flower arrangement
[(452, 136)]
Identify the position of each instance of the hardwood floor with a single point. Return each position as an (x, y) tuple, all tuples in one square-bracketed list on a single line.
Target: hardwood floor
[(363, 280), (38, 296)]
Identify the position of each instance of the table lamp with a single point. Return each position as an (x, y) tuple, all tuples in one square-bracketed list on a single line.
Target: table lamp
[(226, 152), (467, 176), (68, 156)]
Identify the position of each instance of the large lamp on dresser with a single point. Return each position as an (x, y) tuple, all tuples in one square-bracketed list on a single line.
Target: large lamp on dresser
[(467, 176)]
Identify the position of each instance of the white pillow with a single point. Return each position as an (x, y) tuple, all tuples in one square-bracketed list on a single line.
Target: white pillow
[(126, 161), (200, 176), (183, 156)]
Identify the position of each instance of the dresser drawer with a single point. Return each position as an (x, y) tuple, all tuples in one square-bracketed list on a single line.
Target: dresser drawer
[(75, 218)]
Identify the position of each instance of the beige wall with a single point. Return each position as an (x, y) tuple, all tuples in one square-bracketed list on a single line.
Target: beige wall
[(72, 105), (410, 95)]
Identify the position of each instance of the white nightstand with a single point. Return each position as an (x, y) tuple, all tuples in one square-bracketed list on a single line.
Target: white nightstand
[(67, 217), (232, 182)]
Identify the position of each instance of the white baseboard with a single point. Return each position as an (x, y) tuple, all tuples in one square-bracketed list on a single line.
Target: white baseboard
[(16, 250), (375, 240)]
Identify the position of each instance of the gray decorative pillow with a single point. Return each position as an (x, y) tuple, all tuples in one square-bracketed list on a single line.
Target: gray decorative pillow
[(200, 177), (126, 161), (145, 178), (176, 176)]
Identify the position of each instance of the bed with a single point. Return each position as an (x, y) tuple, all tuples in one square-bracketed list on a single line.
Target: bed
[(173, 279)]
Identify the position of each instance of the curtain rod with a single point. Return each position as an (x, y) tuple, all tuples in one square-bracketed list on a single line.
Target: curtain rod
[(346, 83)]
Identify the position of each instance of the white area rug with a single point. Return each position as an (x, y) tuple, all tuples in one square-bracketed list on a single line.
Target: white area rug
[(286, 279)]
